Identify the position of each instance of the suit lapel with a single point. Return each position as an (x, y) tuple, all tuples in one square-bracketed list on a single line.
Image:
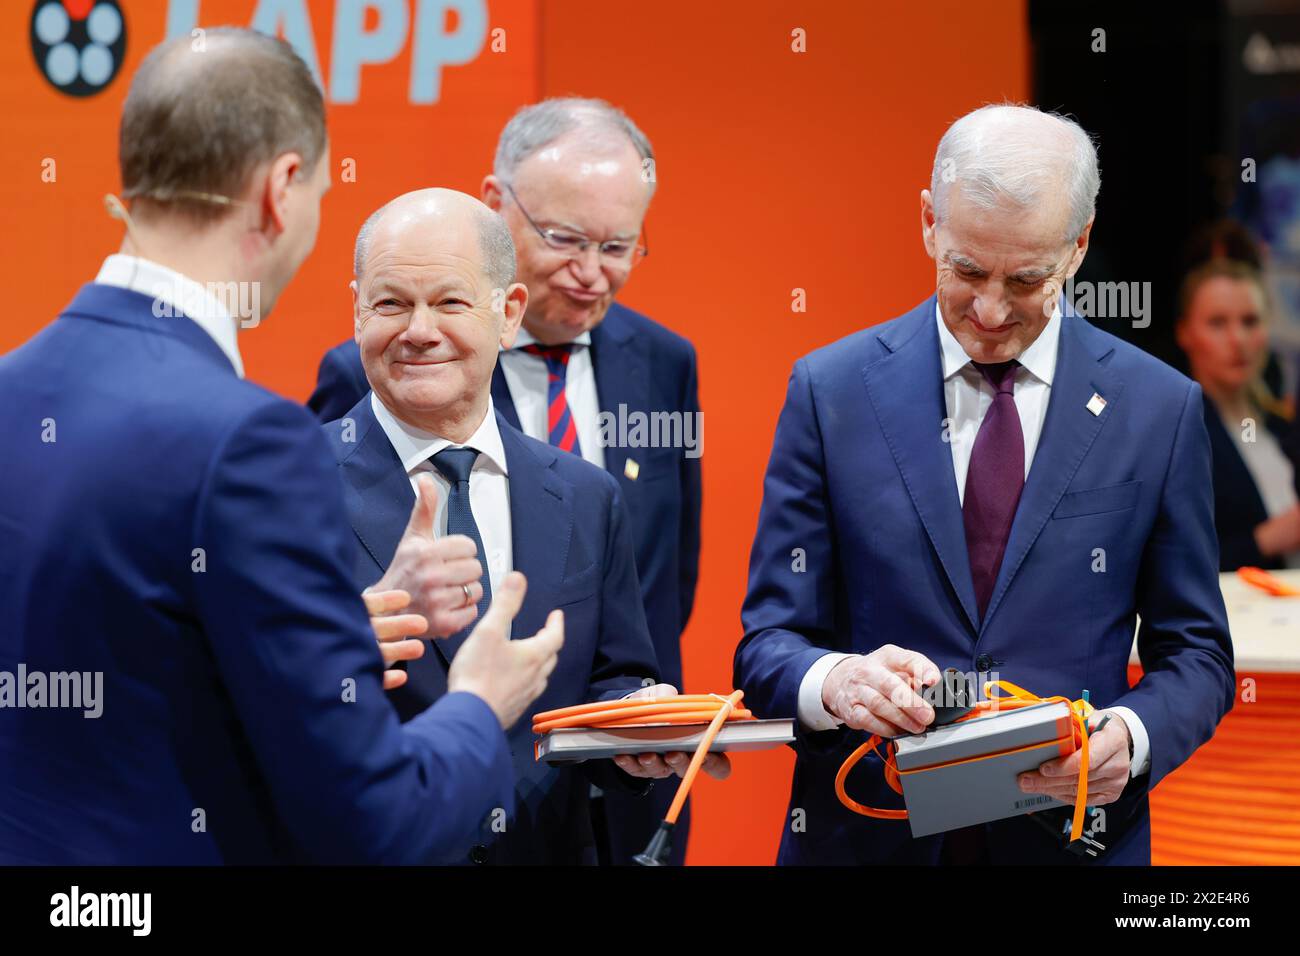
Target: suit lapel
[(502, 399), (376, 487), (541, 525), (622, 378), (906, 390), (1069, 430)]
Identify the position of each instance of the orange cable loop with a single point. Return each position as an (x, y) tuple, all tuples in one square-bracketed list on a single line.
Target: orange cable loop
[(1080, 710), (651, 711)]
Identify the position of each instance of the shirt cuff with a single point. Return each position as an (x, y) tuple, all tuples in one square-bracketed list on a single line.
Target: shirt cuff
[(1141, 761), (812, 714)]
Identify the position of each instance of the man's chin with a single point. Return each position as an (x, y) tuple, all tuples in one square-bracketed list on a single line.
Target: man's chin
[(573, 320), (422, 398), (994, 352)]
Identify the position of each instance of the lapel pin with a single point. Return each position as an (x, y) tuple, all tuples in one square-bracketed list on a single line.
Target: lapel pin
[(1096, 404), (631, 469)]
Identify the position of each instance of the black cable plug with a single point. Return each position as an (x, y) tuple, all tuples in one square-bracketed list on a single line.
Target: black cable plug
[(659, 848)]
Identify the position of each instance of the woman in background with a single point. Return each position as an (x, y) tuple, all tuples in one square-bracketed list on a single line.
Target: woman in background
[(1224, 331)]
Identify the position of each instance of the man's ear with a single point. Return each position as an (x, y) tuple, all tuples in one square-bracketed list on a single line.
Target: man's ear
[(516, 303), (1080, 249), (280, 175), (928, 223), (491, 192)]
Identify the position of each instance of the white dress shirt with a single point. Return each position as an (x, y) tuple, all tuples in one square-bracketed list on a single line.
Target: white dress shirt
[(526, 377), (180, 294), (489, 483), (967, 398)]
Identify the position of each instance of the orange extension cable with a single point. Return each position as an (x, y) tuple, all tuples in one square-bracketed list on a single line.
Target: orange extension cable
[(678, 709), (1258, 577), (1080, 710)]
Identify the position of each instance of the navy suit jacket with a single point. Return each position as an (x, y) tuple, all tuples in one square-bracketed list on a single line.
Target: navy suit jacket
[(182, 532), (571, 542), (1238, 507), (643, 367), (862, 481)]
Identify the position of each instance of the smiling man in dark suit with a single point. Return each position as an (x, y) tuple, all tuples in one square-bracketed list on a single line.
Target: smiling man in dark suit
[(435, 300), (573, 179)]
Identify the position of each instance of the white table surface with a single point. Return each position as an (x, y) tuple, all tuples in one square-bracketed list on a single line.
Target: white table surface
[(1265, 629)]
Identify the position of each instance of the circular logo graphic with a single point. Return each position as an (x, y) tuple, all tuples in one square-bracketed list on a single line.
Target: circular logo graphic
[(78, 45)]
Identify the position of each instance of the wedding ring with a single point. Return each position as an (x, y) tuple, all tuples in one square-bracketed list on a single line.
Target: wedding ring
[(469, 598)]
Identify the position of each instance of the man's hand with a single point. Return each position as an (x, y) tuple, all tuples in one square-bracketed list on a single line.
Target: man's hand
[(508, 674), (876, 692), (392, 630), (655, 765), (435, 572), (1108, 768)]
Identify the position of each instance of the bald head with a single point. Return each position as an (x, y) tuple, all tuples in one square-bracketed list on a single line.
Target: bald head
[(1019, 155), (440, 216), (433, 305)]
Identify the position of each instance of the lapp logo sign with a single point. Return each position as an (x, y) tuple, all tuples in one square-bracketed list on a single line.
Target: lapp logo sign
[(394, 23), (78, 45)]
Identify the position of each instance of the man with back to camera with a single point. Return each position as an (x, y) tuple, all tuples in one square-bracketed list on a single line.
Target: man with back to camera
[(573, 179), (902, 467), (178, 534)]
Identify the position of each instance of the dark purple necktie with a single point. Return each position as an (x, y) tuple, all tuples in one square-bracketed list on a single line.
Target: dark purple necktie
[(994, 481)]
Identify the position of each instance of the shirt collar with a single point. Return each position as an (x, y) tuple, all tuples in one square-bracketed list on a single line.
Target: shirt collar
[(415, 445), (1039, 359), (522, 338), (180, 294)]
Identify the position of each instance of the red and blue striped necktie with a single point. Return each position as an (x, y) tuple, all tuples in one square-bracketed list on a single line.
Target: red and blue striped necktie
[(560, 426)]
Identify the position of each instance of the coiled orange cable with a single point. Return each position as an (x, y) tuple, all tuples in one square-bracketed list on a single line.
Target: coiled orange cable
[(1080, 710), (651, 711)]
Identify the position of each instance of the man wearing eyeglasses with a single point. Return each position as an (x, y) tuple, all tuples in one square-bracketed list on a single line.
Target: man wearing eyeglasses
[(573, 179)]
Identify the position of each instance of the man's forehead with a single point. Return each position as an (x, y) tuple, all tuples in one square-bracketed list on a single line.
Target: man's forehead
[(1013, 247), (444, 235), (579, 157), (1009, 259), (422, 265)]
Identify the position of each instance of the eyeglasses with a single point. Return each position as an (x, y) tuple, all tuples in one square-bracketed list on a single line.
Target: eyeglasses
[(618, 253)]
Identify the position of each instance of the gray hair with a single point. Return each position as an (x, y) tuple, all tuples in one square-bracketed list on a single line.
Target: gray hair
[(541, 124), (494, 240), (1015, 152)]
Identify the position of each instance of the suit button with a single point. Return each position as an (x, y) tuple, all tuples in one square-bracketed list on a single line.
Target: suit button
[(983, 663), (478, 853)]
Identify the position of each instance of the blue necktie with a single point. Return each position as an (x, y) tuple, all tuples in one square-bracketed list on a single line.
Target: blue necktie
[(455, 464)]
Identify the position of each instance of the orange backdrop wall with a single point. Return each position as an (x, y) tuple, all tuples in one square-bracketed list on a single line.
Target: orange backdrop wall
[(778, 171)]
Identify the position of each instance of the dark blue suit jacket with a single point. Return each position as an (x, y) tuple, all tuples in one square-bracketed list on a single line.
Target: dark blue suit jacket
[(862, 481), (184, 534), (643, 366), (571, 542), (1238, 507)]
